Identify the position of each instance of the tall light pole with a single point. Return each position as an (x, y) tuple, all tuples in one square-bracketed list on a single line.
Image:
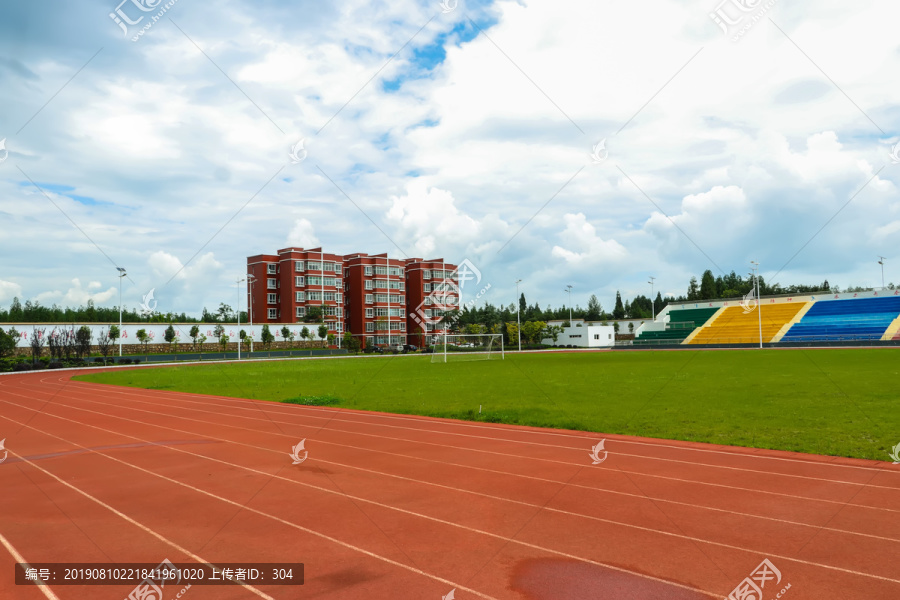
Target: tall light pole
[(569, 289), (122, 274), (250, 280), (518, 321), (881, 262), (652, 301), (758, 300), (238, 312)]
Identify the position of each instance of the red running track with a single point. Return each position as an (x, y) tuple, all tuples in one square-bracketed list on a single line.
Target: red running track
[(389, 506)]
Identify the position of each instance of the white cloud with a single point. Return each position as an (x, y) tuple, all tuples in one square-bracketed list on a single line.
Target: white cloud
[(9, 290), (589, 247), (302, 235)]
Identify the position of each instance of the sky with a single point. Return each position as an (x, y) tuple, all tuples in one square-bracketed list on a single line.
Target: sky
[(589, 143)]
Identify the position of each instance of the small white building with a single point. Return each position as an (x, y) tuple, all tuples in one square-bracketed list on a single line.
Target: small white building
[(584, 336)]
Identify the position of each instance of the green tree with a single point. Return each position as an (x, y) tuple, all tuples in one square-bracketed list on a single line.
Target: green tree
[(323, 331), (619, 310), (286, 334), (200, 341), (170, 337), (523, 306), (553, 332), (223, 340), (304, 333), (143, 338), (594, 309), (707, 286), (693, 289), (218, 332), (512, 332), (83, 341), (7, 343), (114, 333), (313, 314), (267, 337), (195, 333), (16, 313)]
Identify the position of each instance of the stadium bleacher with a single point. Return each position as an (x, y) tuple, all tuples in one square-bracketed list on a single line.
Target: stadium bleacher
[(736, 326), (681, 323), (852, 319)]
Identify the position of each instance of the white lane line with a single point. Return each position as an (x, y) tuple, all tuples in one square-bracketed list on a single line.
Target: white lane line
[(540, 507), (529, 443), (116, 512), (45, 589), (222, 499)]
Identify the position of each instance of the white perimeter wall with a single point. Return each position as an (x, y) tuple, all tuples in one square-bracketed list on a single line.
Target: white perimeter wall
[(157, 331)]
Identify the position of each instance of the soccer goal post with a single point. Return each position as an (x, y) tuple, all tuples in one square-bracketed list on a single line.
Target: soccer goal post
[(457, 347)]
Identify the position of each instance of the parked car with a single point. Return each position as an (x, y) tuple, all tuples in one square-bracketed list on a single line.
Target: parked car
[(410, 347)]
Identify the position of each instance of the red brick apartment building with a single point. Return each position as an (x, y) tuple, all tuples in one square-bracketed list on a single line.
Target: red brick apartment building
[(379, 300), (431, 289), (285, 287), (375, 288)]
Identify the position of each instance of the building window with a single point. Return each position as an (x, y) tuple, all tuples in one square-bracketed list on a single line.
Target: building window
[(427, 300), (369, 313), (270, 299), (301, 311), (426, 274), (298, 281), (298, 265), (368, 270), (370, 326), (368, 284), (271, 269), (339, 298), (271, 284), (368, 298), (596, 336), (273, 313), (313, 266), (337, 269), (314, 296), (427, 287), (380, 270), (301, 296)]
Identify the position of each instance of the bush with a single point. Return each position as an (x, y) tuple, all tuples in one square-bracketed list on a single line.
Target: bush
[(124, 361), (313, 400), (22, 366), (98, 360), (137, 360), (55, 365)]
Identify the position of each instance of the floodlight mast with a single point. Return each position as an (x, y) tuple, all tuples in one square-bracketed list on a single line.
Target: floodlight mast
[(518, 321), (758, 300), (569, 289), (238, 311), (122, 274), (881, 262), (652, 301)]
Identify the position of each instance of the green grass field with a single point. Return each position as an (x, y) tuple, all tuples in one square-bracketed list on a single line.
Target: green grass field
[(837, 402)]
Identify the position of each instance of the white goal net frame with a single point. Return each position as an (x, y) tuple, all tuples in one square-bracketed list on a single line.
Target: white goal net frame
[(468, 346)]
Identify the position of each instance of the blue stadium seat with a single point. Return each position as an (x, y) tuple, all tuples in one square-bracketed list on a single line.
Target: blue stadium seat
[(835, 320)]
